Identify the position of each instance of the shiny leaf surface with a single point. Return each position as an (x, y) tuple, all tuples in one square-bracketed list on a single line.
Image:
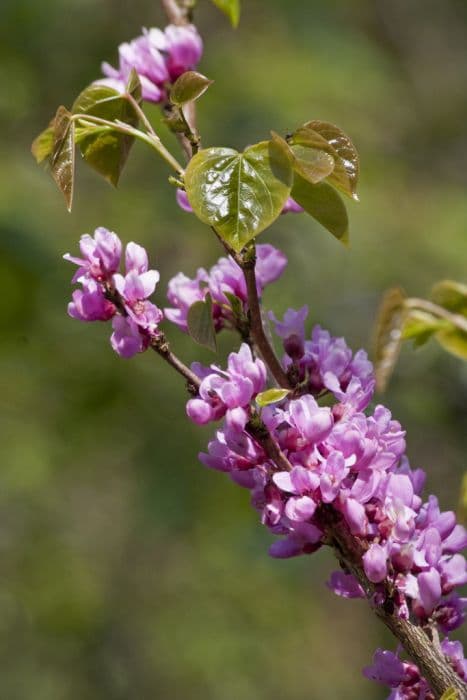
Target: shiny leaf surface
[(62, 160), (324, 204), (43, 145), (188, 87), (326, 136), (200, 323), (239, 194)]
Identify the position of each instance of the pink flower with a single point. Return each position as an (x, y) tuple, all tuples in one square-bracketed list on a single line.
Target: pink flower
[(101, 255)]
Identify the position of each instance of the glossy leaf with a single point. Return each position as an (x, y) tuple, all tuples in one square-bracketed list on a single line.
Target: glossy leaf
[(239, 194), (231, 8), (200, 323), (271, 396), (327, 137), (451, 295), (324, 204), (310, 163), (388, 334), (454, 340), (107, 151), (62, 160), (188, 87), (43, 145)]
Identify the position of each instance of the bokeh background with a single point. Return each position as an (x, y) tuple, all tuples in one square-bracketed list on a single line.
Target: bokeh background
[(128, 570)]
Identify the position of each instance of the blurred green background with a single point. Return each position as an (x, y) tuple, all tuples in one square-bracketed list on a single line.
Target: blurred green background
[(128, 570)]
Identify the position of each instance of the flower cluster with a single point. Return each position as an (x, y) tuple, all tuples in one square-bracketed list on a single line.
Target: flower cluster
[(405, 678), (106, 294), (159, 58), (341, 461), (223, 279)]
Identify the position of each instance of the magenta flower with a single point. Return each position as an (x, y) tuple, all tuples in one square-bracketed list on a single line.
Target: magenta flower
[(126, 338), (345, 585), (158, 58), (101, 255), (90, 304)]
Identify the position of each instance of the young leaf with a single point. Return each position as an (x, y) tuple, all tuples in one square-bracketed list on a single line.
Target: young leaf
[(454, 340), (200, 323), (43, 145), (325, 136), (451, 295), (62, 160), (231, 8), (188, 87), (462, 509), (239, 194), (271, 396), (324, 204), (310, 163), (388, 334), (107, 151), (450, 694), (419, 326)]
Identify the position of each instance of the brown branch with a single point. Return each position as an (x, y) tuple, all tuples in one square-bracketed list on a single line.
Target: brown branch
[(422, 650), (257, 329)]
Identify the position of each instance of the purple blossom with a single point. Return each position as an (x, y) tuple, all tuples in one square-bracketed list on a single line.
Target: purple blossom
[(90, 304), (126, 338), (345, 585), (158, 58), (101, 255), (223, 279)]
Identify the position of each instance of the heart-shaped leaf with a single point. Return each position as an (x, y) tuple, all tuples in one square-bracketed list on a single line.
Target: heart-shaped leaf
[(388, 334), (188, 87), (239, 194), (62, 159), (324, 204), (231, 8), (271, 396), (451, 295), (327, 137), (200, 323), (107, 151), (310, 163)]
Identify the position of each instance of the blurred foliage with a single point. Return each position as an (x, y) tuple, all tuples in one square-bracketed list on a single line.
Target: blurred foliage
[(129, 570)]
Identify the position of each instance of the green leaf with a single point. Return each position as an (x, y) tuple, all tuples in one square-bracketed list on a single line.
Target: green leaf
[(189, 87), (239, 194), (327, 137), (235, 304), (450, 694), (62, 160), (231, 8), (419, 326), (454, 340), (310, 163), (388, 334), (43, 145), (271, 396), (107, 151), (200, 323), (451, 295), (324, 204)]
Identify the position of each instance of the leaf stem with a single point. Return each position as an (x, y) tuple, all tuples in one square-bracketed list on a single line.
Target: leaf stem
[(430, 307), (148, 138)]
